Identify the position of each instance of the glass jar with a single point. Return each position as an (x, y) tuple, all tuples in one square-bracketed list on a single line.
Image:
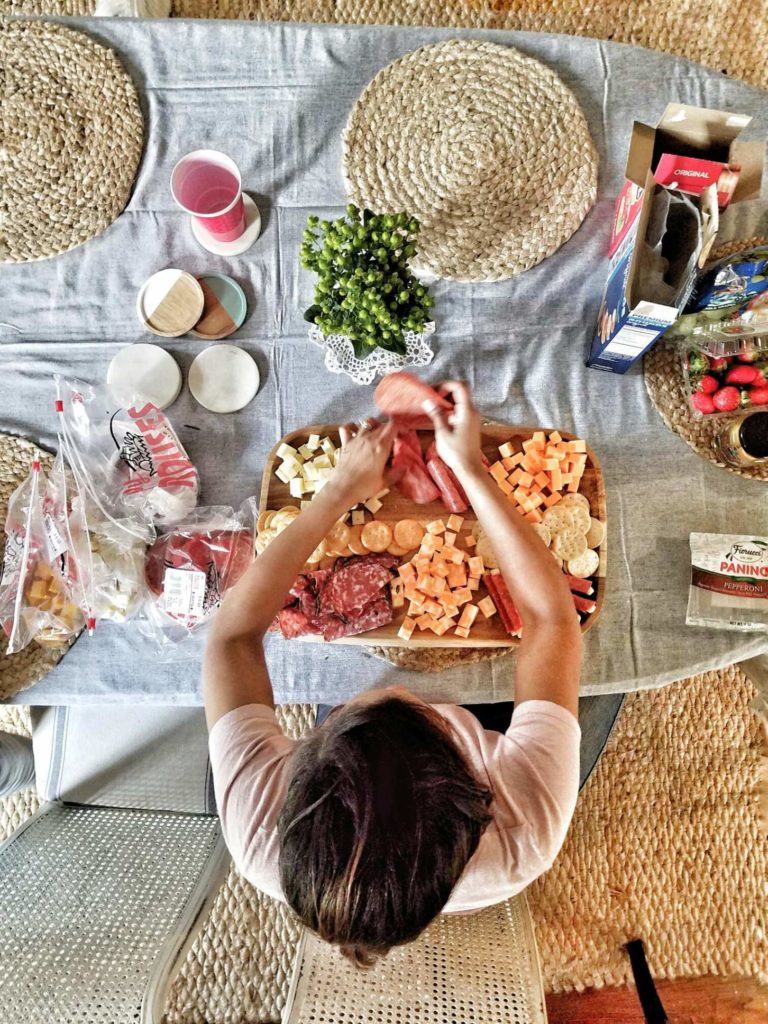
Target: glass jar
[(744, 442)]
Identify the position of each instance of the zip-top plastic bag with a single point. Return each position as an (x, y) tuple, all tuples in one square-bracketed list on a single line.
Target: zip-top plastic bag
[(190, 568), (127, 461), (38, 602)]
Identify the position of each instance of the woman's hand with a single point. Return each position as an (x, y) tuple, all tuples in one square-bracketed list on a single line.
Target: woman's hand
[(361, 471), (457, 432)]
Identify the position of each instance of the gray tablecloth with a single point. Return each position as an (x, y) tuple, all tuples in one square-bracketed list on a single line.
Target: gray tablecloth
[(276, 97)]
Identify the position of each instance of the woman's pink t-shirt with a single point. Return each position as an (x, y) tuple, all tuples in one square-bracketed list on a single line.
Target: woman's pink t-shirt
[(532, 770)]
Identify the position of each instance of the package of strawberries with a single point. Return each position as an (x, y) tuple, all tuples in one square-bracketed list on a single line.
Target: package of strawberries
[(725, 385)]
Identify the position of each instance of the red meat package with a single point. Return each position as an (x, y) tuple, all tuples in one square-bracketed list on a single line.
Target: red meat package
[(189, 569), (38, 600), (129, 461)]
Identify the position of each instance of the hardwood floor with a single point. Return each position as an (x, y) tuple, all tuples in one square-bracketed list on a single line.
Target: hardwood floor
[(692, 1001)]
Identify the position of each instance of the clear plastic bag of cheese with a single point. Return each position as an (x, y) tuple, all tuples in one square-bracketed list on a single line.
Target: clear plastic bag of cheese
[(127, 461), (189, 569), (41, 600)]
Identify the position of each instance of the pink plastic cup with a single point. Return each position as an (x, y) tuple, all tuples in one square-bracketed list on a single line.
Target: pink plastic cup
[(207, 185)]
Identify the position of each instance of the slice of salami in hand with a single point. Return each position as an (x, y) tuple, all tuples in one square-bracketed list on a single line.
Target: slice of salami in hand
[(401, 396)]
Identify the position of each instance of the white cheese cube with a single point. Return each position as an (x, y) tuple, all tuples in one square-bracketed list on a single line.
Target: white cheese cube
[(297, 487), (282, 474), (289, 470), (328, 446), (313, 442), (310, 471), (382, 494), (358, 517), (373, 505), (322, 462), (306, 452), (285, 451)]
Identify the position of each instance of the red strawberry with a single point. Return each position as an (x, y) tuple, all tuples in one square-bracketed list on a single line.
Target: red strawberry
[(726, 399), (708, 384), (718, 364), (759, 396), (741, 374), (702, 403), (759, 379), (748, 357)]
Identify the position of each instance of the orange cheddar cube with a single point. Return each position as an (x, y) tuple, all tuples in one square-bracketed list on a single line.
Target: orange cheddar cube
[(577, 446), (407, 572), (521, 495), (514, 478), (424, 621), (539, 439), (470, 540), (455, 522), (542, 479), (533, 516), (506, 450), (462, 632), (535, 500), (457, 576), (468, 615), (508, 464), (557, 480), (406, 630), (552, 499), (435, 527), (555, 437), (566, 478), (439, 585), (441, 626), (440, 568), (476, 566), (497, 471), (528, 445), (526, 480), (432, 608), (550, 464), (505, 487), (487, 607), (414, 609), (573, 486), (473, 583), (462, 595), (450, 539)]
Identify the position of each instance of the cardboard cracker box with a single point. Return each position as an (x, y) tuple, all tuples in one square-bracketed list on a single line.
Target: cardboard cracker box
[(631, 316)]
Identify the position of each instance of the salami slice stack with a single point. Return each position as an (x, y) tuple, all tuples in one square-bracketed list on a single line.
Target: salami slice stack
[(351, 598)]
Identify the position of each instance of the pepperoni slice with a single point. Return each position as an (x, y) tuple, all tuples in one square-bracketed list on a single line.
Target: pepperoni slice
[(401, 396)]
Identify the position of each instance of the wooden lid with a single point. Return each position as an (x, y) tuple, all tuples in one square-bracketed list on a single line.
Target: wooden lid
[(170, 303)]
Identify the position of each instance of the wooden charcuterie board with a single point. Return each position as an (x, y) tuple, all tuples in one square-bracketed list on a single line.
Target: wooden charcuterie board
[(395, 506)]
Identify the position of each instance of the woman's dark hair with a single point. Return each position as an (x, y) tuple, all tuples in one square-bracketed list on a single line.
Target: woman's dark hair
[(381, 816)]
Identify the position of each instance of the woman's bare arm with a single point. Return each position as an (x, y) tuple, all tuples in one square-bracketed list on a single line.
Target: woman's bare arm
[(234, 669), (549, 658)]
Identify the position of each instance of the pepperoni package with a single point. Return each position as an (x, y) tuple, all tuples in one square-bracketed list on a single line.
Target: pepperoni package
[(128, 461), (189, 569)]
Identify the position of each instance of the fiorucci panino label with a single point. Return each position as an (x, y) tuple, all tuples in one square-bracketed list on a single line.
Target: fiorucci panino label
[(729, 581)]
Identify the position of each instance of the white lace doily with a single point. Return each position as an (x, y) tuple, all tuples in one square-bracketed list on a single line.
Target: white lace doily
[(340, 356)]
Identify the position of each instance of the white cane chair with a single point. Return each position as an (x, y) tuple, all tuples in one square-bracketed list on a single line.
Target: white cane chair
[(480, 968), (99, 905)]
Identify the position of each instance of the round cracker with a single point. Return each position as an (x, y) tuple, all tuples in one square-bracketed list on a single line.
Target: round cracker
[(581, 518), (264, 539), (557, 518), (337, 538), (569, 543), (283, 517), (585, 565), (397, 551), (355, 543), (318, 554), (596, 533), (376, 535), (572, 498), (408, 534), (264, 521), (544, 532)]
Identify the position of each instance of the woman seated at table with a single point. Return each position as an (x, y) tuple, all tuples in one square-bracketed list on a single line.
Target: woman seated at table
[(393, 810)]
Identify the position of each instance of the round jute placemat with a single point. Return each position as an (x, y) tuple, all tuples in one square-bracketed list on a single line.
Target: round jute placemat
[(18, 671), (487, 147), (665, 384), (72, 139), (666, 844)]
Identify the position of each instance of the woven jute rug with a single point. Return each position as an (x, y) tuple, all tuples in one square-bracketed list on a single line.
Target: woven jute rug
[(487, 147), (728, 35), (666, 845), (665, 384), (18, 671), (72, 132)]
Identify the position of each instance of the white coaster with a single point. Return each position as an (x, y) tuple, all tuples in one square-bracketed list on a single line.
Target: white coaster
[(223, 378), (144, 372), (245, 241)]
